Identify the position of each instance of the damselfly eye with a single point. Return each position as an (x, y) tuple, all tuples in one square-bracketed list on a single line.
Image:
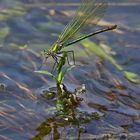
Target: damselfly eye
[(46, 52)]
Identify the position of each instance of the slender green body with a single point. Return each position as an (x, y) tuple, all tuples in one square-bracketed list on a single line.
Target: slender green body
[(89, 35), (57, 47)]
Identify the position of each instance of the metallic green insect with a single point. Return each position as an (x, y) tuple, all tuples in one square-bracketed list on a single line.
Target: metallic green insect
[(89, 10)]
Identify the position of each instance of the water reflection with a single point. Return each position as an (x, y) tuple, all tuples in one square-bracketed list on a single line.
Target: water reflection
[(25, 113)]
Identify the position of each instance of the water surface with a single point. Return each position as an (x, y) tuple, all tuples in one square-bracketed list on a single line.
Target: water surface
[(27, 27)]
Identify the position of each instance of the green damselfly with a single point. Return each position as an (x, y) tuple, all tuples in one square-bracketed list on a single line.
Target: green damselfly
[(89, 10)]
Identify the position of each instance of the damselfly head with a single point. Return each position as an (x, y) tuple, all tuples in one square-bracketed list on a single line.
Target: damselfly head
[(47, 53)]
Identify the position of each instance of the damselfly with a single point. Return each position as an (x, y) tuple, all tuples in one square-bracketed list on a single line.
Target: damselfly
[(89, 10)]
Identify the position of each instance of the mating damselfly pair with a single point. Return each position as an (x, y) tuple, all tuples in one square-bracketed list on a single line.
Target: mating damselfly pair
[(89, 10)]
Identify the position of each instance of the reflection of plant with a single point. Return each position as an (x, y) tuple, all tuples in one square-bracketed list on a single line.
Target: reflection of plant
[(47, 127), (52, 127)]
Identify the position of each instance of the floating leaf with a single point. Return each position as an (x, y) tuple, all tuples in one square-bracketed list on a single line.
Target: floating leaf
[(11, 11), (3, 17), (4, 32), (97, 50), (132, 77), (19, 46), (17, 11)]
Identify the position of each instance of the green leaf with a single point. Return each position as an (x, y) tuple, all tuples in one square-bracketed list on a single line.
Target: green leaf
[(66, 70), (3, 17), (97, 50), (17, 11), (4, 32), (19, 46), (51, 108), (44, 72), (62, 73), (132, 77), (59, 77), (61, 63)]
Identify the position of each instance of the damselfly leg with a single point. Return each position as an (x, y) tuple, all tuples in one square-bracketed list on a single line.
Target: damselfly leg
[(67, 56)]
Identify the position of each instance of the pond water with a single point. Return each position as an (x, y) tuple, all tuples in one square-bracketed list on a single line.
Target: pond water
[(29, 26)]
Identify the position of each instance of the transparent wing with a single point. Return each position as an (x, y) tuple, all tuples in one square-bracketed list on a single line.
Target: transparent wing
[(89, 10)]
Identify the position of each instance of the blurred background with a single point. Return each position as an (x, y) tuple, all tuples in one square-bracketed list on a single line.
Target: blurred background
[(27, 27)]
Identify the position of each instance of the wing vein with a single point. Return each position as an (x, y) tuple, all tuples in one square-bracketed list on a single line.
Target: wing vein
[(88, 10)]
